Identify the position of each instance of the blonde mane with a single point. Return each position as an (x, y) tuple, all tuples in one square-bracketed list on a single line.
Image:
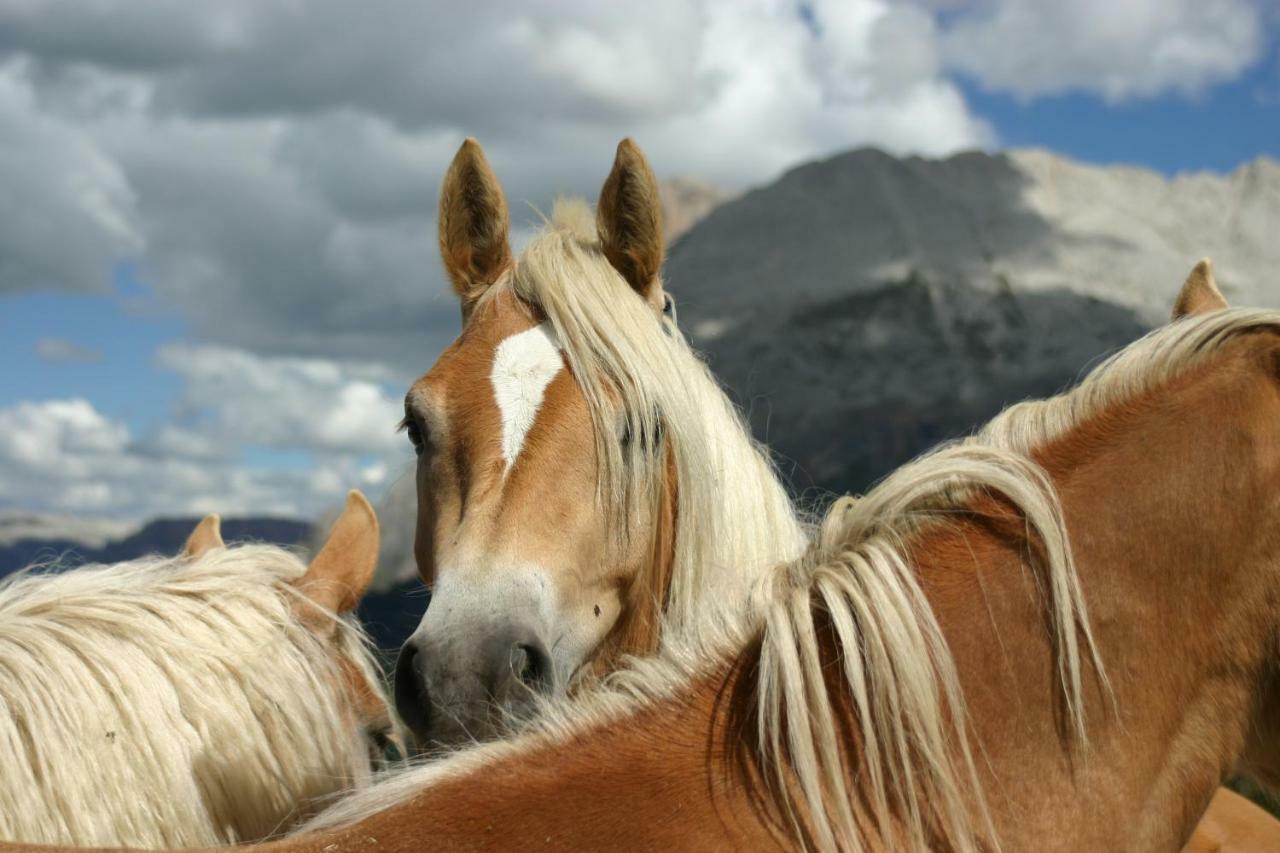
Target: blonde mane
[(171, 702), (734, 518)]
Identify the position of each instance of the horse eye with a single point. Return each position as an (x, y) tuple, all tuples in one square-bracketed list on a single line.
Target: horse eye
[(385, 748), (414, 430)]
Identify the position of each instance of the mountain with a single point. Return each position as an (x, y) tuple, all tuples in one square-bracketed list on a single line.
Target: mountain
[(69, 543), (865, 307), (17, 526)]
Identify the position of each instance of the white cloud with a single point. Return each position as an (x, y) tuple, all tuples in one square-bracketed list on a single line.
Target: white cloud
[(286, 403), (58, 436), (1120, 50), (65, 456)]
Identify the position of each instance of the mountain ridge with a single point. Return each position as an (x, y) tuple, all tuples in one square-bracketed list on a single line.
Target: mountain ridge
[(864, 307)]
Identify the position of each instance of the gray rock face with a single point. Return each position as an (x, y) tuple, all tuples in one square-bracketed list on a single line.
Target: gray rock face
[(863, 308)]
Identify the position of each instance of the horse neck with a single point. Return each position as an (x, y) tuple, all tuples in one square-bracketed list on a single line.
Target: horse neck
[(1181, 599)]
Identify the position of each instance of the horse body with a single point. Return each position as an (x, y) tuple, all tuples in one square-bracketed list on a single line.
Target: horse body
[(207, 699)]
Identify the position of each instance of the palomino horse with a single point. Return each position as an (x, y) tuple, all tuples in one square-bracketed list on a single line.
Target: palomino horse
[(207, 699), (580, 473), (930, 674)]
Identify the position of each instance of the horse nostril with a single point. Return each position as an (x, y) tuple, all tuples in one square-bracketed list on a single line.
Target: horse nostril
[(532, 667), (412, 699)]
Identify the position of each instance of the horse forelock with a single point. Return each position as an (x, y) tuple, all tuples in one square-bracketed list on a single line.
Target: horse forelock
[(149, 665)]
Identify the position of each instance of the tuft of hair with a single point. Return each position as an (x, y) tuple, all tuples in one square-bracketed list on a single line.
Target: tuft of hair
[(172, 702), (639, 374)]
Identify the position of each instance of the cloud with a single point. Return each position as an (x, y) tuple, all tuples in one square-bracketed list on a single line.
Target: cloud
[(250, 433), (286, 403), (277, 186), (61, 350), (1119, 50)]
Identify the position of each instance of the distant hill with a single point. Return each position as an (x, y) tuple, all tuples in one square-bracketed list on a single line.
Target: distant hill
[(74, 543)]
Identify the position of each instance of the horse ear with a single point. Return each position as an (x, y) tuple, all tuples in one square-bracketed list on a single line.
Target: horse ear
[(473, 224), (340, 573), (1200, 293), (206, 537), (629, 220)]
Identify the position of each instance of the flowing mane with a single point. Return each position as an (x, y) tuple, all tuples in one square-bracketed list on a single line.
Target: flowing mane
[(172, 702), (733, 516), (897, 669)]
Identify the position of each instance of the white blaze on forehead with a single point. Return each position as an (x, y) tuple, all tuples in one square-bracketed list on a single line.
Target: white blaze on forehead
[(523, 367)]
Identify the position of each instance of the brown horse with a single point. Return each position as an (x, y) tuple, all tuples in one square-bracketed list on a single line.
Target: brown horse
[(931, 673)]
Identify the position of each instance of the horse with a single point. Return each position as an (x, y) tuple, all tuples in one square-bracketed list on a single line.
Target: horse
[(582, 479), (216, 697), (1059, 633)]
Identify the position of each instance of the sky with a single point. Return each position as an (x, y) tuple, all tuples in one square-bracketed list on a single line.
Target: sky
[(218, 271)]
